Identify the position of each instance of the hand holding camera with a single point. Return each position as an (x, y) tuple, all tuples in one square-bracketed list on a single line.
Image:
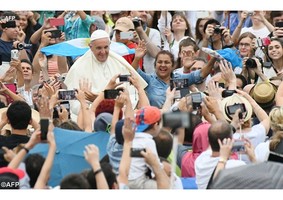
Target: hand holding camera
[(137, 22)]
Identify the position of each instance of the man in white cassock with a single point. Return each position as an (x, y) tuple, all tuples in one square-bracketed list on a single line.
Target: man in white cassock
[(99, 65)]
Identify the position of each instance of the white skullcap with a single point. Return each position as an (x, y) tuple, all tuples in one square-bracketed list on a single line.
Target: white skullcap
[(98, 34)]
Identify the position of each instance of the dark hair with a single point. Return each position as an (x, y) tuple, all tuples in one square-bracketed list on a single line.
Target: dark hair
[(19, 115), (218, 130), (210, 21), (184, 43), (243, 79), (34, 163), (266, 49), (188, 31), (164, 143), (274, 14), (74, 181), (196, 120), (9, 178), (28, 62), (110, 176), (70, 125), (164, 52)]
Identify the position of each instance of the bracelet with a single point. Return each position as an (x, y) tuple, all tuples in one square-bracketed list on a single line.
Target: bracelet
[(222, 160), (26, 149), (97, 172)]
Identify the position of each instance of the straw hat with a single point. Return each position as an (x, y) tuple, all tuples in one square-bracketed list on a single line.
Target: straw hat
[(236, 99), (264, 94), (34, 114)]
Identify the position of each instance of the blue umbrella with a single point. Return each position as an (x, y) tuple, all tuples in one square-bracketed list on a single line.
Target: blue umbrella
[(69, 157)]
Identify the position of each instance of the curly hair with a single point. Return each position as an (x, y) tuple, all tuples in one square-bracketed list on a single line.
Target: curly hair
[(276, 119), (107, 105)]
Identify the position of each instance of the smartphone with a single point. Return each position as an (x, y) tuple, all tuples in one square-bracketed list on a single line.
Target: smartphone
[(67, 95), (112, 94), (181, 83), (196, 100), (238, 146), (44, 123), (54, 33), (66, 104), (124, 78), (9, 24), (228, 93), (136, 152), (232, 109), (177, 119), (127, 35), (15, 54), (57, 21), (279, 24)]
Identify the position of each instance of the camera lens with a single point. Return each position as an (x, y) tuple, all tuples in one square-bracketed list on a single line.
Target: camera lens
[(217, 30), (136, 22), (20, 46), (250, 63)]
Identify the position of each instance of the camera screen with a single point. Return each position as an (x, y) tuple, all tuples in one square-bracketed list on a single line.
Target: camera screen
[(136, 152), (124, 78), (176, 119), (180, 83), (238, 146), (279, 24), (54, 33), (111, 94), (67, 95), (9, 24), (232, 109)]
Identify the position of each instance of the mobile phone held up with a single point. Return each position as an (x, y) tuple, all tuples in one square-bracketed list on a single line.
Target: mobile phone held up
[(67, 95), (112, 94), (233, 108), (56, 21), (136, 152), (124, 78), (44, 123), (54, 33), (127, 35)]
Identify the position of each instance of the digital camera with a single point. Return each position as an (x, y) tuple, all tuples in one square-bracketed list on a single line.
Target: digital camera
[(137, 22), (217, 29)]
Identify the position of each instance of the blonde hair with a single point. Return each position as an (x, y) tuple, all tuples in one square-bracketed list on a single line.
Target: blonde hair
[(276, 119)]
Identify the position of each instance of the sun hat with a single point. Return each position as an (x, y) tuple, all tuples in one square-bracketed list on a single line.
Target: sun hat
[(124, 24), (264, 94), (236, 99)]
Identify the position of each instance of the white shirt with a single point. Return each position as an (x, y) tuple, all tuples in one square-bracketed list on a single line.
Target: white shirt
[(138, 165), (205, 165), (262, 151)]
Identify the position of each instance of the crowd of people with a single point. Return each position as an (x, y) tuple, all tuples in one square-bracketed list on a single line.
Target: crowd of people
[(201, 94)]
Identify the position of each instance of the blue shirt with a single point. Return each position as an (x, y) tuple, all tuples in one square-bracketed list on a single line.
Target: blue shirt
[(114, 151), (156, 89)]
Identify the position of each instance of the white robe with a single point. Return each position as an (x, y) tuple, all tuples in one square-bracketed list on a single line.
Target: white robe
[(99, 74)]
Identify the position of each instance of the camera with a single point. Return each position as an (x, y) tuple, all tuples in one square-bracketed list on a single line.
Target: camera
[(177, 119), (217, 29), (279, 24), (21, 46), (233, 108), (251, 63), (61, 78), (15, 54), (228, 93), (137, 21), (112, 94), (136, 152), (238, 146), (124, 78), (196, 100), (251, 13), (127, 35)]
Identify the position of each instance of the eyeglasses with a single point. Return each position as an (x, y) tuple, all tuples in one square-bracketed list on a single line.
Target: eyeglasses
[(244, 45)]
